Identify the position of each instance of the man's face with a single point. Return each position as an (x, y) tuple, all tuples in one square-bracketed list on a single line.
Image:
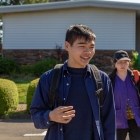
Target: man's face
[(80, 53)]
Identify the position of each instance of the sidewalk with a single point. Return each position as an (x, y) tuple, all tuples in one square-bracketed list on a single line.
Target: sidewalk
[(22, 106)]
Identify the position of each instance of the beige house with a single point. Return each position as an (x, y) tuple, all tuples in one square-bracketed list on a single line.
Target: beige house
[(31, 31)]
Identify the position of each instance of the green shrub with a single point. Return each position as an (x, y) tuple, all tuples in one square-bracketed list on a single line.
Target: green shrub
[(30, 93), (8, 66), (42, 66), (135, 61), (8, 96), (26, 69)]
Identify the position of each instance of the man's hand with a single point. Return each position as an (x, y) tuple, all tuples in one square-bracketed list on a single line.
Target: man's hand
[(62, 114)]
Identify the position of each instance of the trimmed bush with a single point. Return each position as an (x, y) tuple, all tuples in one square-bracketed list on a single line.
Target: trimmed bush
[(8, 96), (30, 93)]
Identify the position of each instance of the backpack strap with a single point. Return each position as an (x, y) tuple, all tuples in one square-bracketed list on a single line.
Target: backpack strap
[(56, 77), (136, 75), (99, 91)]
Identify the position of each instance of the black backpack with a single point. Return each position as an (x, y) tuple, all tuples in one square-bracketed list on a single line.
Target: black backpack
[(56, 77)]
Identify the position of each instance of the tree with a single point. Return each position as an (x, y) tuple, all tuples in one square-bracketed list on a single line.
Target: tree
[(10, 2), (19, 2), (16, 2), (3, 3), (34, 1)]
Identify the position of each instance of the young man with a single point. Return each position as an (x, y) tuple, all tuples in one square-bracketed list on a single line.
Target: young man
[(79, 117)]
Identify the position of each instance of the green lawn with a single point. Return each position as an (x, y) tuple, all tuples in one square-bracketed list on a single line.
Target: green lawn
[(22, 85), (22, 91)]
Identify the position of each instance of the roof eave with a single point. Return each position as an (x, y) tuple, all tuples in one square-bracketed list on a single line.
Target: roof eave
[(68, 4)]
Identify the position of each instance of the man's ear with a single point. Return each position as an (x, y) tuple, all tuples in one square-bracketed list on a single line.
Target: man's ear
[(67, 45)]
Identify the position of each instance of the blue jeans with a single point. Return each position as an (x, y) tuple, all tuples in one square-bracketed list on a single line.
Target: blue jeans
[(133, 130)]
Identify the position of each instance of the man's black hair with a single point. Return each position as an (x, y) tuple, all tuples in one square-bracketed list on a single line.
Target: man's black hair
[(79, 31)]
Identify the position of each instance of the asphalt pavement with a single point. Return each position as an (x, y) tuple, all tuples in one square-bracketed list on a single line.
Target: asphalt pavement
[(19, 129)]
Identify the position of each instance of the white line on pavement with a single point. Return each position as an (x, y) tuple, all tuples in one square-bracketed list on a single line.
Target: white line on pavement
[(31, 135)]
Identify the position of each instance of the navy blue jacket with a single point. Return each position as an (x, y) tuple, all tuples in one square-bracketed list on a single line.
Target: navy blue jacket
[(39, 109)]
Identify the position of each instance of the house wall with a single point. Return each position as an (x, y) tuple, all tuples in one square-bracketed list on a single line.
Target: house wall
[(114, 28), (103, 59), (138, 36), (31, 37)]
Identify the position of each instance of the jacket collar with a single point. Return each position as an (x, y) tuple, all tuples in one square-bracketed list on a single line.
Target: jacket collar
[(66, 70), (115, 70)]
